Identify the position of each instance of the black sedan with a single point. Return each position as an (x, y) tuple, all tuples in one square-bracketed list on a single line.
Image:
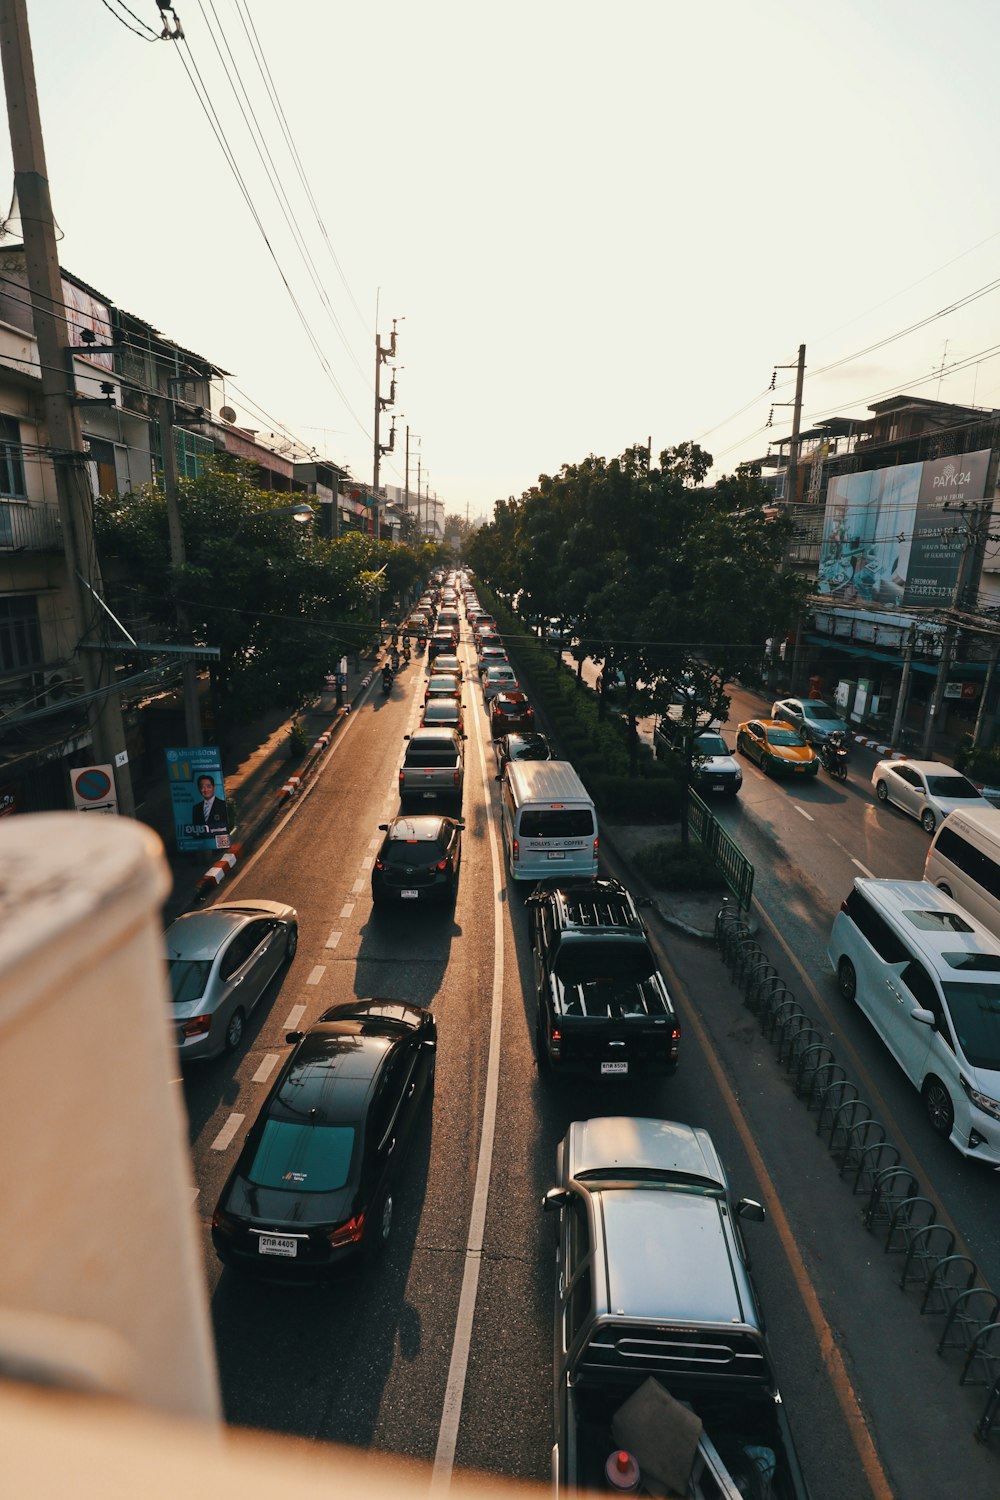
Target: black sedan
[(419, 860), (522, 746), (314, 1182)]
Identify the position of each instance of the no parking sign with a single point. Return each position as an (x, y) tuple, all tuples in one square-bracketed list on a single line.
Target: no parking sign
[(94, 789)]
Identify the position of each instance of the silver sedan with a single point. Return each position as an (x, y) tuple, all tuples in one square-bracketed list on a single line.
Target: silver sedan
[(220, 962), (926, 789)]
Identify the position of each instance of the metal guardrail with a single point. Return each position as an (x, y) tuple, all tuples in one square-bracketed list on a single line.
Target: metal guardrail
[(732, 864), (858, 1143)]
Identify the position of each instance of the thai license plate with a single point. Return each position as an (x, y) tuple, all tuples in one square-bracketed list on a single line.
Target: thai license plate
[(557, 854), (614, 1067), (717, 786), (274, 1244), (408, 895), (428, 794)]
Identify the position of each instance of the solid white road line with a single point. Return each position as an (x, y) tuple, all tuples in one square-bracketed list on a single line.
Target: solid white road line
[(333, 939), (862, 868), (225, 1135), (267, 1067), (294, 1017), (316, 974), (444, 1457)]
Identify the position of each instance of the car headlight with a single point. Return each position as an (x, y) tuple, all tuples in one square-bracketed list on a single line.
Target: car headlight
[(981, 1101)]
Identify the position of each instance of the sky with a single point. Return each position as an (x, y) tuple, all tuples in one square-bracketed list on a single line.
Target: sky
[(596, 225)]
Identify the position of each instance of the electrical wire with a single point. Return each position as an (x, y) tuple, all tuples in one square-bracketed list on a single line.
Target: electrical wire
[(153, 36)]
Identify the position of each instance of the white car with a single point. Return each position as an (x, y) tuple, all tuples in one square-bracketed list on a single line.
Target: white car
[(502, 679), (926, 789)]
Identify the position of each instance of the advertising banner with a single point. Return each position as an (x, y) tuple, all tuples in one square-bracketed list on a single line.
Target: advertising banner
[(888, 538), (198, 797)]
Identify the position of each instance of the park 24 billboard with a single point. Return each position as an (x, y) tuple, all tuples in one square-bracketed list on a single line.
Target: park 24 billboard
[(896, 536)]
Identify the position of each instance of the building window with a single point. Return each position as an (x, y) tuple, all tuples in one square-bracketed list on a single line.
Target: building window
[(20, 634), (11, 459), (102, 457)]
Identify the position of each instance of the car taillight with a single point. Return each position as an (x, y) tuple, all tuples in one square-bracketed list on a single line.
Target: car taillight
[(595, 848), (555, 1050), (455, 775), (223, 1221), (442, 864), (196, 1026), (515, 850), (347, 1234), (675, 1037), (379, 864), (401, 777)]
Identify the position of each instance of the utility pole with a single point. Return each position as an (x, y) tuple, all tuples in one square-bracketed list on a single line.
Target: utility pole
[(381, 402), (178, 557), (972, 534), (55, 359), (793, 447), (904, 686), (406, 471), (419, 526)]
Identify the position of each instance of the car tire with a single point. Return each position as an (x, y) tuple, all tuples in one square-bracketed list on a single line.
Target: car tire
[(381, 1226), (234, 1031), (881, 791), (291, 943), (940, 1110), (847, 980), (928, 821)]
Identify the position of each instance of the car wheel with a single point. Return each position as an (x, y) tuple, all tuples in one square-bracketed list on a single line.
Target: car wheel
[(234, 1031), (381, 1226), (881, 791), (291, 943), (940, 1110), (928, 820), (847, 979)]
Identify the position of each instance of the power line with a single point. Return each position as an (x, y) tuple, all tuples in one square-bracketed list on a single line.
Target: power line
[(153, 36)]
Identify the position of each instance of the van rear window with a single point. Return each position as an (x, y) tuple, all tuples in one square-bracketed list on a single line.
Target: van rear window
[(556, 823), (427, 756)]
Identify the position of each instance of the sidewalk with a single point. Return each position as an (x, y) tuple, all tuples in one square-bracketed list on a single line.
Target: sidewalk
[(261, 779)]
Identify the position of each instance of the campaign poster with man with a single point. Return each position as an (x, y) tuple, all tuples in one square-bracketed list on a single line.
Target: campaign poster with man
[(198, 797)]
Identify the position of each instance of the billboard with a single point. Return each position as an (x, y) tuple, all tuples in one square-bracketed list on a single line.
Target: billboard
[(198, 796), (887, 536)]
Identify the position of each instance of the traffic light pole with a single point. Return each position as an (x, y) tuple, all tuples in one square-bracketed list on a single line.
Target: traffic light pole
[(55, 358)]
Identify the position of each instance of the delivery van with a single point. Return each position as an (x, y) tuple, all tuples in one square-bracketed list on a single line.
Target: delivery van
[(548, 822)]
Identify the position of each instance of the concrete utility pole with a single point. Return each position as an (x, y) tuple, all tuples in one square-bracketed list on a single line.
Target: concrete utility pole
[(58, 393), (793, 446), (192, 702), (381, 402), (973, 529)]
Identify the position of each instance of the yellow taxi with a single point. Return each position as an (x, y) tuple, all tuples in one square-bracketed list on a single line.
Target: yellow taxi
[(777, 747)]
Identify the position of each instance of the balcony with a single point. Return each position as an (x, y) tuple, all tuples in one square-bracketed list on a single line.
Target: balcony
[(29, 527)]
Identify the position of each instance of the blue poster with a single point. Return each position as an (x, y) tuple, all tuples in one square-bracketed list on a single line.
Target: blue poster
[(198, 797)]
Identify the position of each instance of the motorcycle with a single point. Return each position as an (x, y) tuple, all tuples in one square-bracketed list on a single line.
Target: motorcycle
[(834, 759), (421, 644), (387, 676)]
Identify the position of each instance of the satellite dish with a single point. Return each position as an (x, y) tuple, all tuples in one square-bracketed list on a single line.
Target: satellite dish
[(227, 413)]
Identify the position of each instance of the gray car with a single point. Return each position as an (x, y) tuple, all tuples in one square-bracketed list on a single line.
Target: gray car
[(219, 964), (814, 720)]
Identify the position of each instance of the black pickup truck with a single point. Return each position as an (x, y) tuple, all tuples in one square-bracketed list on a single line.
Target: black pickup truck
[(662, 1374), (604, 1010)]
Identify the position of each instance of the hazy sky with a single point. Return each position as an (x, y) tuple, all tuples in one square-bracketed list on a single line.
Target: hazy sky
[(599, 222)]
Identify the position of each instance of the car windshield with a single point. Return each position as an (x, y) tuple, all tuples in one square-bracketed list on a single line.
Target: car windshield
[(819, 711), (711, 744), (975, 1015), (520, 750), (586, 963), (300, 1157), (784, 737), (188, 978), (951, 786)]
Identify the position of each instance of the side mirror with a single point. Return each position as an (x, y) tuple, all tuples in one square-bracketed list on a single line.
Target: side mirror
[(555, 1199), (748, 1208), (406, 736), (383, 828), (464, 735), (294, 1036)]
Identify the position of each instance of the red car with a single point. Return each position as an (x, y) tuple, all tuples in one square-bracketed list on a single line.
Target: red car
[(510, 711)]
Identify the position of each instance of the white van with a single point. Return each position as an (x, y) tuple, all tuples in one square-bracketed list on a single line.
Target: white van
[(927, 976), (964, 862), (548, 822)]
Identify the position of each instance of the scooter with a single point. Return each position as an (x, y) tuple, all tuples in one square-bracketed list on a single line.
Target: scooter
[(387, 676), (834, 758)]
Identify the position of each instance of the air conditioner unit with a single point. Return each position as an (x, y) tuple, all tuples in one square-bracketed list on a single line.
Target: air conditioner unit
[(60, 687)]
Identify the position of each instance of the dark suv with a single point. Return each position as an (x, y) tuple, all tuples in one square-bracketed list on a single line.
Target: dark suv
[(603, 1006)]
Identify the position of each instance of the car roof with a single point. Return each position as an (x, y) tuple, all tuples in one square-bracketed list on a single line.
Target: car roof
[(332, 1069), (926, 767), (692, 1271), (200, 934), (635, 1141)]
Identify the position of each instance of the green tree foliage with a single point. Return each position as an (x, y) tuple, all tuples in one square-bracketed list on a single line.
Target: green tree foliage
[(281, 604)]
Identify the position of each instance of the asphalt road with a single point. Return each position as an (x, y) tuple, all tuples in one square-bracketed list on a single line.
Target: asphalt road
[(371, 1360)]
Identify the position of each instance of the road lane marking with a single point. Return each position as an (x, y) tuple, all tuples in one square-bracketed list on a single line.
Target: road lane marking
[(367, 862), (316, 974), (294, 1017), (347, 909), (194, 1194), (267, 1067), (333, 939), (802, 810), (358, 886), (864, 870), (374, 843), (451, 1412), (225, 1136)]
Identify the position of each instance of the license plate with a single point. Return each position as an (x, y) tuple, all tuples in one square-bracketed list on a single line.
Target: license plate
[(614, 1067), (428, 794), (717, 786), (557, 854), (408, 895), (273, 1244)]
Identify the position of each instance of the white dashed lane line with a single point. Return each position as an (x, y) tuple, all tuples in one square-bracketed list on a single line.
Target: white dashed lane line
[(347, 909), (225, 1136), (802, 810), (358, 886), (374, 843), (862, 868), (266, 1068), (367, 862), (333, 939), (294, 1017), (316, 974)]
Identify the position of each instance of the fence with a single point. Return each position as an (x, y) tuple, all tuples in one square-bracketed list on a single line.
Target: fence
[(949, 1285), (733, 865)]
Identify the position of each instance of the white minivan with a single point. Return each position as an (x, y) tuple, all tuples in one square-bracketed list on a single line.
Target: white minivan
[(927, 976), (964, 861), (548, 822)]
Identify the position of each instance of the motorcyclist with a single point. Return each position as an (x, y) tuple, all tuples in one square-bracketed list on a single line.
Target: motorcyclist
[(387, 676), (834, 748), (394, 658), (406, 649)]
